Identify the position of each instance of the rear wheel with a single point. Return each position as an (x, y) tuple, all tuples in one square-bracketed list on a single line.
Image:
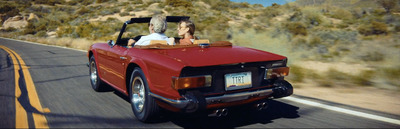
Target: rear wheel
[(97, 84), (143, 105)]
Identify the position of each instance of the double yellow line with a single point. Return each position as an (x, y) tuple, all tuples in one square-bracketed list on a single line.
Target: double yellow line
[(21, 116)]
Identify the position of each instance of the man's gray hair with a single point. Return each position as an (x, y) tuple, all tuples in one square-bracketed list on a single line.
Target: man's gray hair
[(159, 23)]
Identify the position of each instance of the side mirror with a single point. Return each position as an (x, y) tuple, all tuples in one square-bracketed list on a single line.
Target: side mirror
[(111, 43)]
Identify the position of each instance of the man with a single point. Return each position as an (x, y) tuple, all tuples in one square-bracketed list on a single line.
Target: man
[(157, 27)]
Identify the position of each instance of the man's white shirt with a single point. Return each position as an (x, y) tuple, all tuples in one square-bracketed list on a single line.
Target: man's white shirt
[(145, 40)]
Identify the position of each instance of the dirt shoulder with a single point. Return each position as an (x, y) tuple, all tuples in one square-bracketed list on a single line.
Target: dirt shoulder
[(364, 97)]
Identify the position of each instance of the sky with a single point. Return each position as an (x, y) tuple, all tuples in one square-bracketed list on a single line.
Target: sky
[(265, 3)]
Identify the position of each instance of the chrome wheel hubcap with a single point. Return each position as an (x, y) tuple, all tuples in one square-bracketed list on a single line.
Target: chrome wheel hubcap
[(93, 72), (138, 97)]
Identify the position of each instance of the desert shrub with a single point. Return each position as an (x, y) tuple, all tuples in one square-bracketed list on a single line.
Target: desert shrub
[(379, 28), (325, 82), (331, 36), (374, 28), (84, 30), (315, 41), (86, 2), (82, 11), (39, 10), (35, 26), (239, 5), (220, 5), (342, 14), (299, 41), (271, 11), (365, 30), (297, 73), (65, 31), (179, 3), (388, 5), (309, 16), (391, 74), (314, 19), (357, 13), (248, 16), (123, 14), (342, 25), (296, 28), (8, 10), (128, 8), (379, 12), (82, 2), (372, 56), (49, 2), (29, 29), (7, 7), (334, 76), (10, 29), (101, 1), (364, 78), (91, 30), (337, 75), (137, 2), (296, 16), (109, 11), (41, 34), (397, 28)]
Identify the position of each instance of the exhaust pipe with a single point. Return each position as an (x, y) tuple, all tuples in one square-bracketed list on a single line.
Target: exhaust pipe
[(219, 113), (224, 112), (261, 106)]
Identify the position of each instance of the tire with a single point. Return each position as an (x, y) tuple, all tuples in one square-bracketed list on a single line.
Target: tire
[(143, 105), (95, 80)]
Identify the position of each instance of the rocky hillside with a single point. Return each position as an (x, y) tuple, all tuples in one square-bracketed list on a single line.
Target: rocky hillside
[(361, 37)]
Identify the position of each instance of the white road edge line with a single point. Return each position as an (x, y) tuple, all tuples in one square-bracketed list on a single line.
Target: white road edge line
[(290, 98), (43, 44), (342, 110)]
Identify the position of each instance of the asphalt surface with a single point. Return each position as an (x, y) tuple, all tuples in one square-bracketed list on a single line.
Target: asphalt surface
[(61, 78)]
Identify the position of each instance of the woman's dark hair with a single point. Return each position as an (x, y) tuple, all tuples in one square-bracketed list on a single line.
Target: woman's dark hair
[(189, 24)]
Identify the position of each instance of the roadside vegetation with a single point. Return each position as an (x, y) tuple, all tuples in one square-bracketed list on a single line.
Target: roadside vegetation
[(364, 34)]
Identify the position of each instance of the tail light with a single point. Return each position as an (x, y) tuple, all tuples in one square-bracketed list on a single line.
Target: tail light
[(191, 82), (276, 72)]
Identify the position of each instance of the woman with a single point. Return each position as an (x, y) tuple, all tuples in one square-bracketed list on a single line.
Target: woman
[(186, 29)]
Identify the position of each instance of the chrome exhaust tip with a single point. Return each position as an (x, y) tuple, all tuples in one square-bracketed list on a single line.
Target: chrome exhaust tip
[(219, 113), (262, 106), (224, 112)]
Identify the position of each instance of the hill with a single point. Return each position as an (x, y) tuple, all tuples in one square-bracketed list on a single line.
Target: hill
[(328, 42)]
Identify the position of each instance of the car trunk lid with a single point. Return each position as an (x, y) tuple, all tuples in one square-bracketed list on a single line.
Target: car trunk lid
[(209, 56)]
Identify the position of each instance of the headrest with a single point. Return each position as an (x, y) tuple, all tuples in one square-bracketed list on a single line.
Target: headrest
[(201, 41), (160, 42)]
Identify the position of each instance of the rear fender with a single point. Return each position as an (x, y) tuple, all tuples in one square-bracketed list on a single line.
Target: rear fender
[(163, 87)]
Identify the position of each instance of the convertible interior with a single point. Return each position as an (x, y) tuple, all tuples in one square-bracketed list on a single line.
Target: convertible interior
[(123, 41)]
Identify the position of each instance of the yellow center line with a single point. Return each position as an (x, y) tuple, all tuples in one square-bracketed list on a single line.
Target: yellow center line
[(21, 114), (21, 119)]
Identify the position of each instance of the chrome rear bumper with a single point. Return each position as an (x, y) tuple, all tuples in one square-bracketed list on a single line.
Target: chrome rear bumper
[(175, 103), (190, 104), (238, 96)]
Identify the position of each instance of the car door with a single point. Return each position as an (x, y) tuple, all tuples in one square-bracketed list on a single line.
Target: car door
[(114, 64)]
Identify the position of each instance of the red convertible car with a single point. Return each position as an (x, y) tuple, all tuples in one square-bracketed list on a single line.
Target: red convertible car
[(203, 77)]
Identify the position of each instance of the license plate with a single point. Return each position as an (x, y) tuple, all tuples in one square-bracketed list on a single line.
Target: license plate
[(236, 81)]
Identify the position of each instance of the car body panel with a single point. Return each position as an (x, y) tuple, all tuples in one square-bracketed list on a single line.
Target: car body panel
[(166, 63), (197, 57), (160, 64)]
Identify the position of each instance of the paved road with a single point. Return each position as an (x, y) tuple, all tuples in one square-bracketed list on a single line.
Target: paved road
[(61, 79)]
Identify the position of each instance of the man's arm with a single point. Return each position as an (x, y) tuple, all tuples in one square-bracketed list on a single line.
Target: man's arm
[(131, 42)]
